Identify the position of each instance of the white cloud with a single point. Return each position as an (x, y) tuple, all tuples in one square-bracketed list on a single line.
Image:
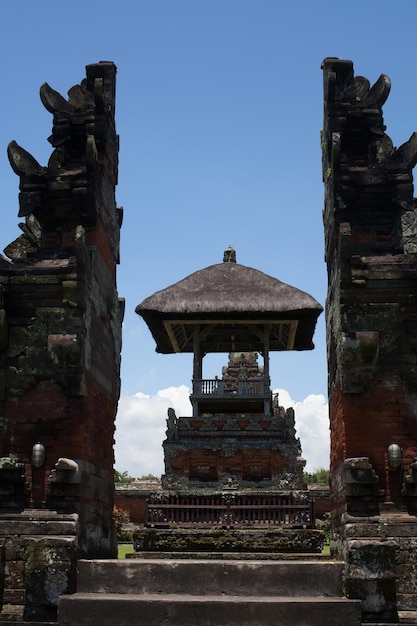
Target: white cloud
[(141, 425), (140, 429), (312, 426)]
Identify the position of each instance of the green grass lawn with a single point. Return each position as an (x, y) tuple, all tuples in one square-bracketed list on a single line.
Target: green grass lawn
[(126, 548), (123, 549)]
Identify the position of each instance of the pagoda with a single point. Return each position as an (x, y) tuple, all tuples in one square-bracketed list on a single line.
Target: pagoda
[(238, 435)]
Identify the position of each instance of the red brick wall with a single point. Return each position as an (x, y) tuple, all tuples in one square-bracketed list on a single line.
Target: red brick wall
[(366, 424), (371, 312), (247, 464), (60, 365), (135, 504)]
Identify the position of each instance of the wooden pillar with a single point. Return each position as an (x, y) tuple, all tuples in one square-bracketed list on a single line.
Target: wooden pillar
[(267, 403), (197, 366)]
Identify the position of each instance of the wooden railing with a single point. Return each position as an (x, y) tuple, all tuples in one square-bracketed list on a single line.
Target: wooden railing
[(208, 386), (228, 511), (251, 387), (257, 387)]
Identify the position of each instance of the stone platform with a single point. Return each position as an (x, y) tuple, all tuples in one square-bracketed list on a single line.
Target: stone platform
[(279, 540), (223, 593)]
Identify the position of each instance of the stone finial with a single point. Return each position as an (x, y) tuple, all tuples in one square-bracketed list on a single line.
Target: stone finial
[(67, 464), (229, 255), (66, 471)]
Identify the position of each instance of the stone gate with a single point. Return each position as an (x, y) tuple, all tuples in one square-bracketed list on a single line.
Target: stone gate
[(60, 341), (370, 223)]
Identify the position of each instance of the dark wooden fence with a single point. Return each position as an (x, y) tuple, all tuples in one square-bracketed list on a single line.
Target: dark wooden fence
[(228, 511), (216, 387)]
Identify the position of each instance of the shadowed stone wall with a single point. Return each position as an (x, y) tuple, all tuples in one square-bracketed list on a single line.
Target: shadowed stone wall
[(60, 341), (370, 223)]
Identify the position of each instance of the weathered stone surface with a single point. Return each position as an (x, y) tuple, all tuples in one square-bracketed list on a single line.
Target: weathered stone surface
[(232, 438), (49, 572), (38, 553), (4, 332), (368, 219), (175, 575), (370, 248), (183, 610), (370, 576), (60, 343), (58, 299), (260, 540), (65, 350), (228, 592), (367, 558)]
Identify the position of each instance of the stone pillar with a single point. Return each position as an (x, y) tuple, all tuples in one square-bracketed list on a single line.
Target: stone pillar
[(60, 321), (38, 562), (370, 224)]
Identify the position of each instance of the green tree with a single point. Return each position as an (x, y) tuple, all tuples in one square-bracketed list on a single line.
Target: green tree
[(150, 476), (122, 478), (320, 475)]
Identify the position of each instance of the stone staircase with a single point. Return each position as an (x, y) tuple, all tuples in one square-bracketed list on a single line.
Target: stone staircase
[(199, 592)]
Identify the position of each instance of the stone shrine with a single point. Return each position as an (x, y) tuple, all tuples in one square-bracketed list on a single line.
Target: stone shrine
[(237, 434)]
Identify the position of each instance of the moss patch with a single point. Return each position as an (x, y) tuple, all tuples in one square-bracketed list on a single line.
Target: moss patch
[(202, 540)]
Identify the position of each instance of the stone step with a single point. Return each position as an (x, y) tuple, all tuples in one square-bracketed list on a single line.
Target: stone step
[(187, 592), (405, 618), (25, 623), (98, 609), (212, 577), (231, 556)]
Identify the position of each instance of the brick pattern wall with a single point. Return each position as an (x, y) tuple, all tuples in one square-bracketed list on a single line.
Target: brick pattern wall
[(371, 253), (370, 224), (60, 322), (251, 450)]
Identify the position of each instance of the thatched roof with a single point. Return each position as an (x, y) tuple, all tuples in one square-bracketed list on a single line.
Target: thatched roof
[(233, 303)]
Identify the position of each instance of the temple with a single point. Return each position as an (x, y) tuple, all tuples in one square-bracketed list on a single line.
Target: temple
[(232, 489), (238, 433)]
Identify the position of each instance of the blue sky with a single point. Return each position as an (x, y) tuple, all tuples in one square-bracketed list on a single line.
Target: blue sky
[(219, 110)]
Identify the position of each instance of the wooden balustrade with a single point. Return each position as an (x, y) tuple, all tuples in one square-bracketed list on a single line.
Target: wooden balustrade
[(208, 386), (256, 387), (228, 511)]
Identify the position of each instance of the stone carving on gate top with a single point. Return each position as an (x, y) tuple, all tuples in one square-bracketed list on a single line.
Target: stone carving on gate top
[(368, 147), (82, 136)]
